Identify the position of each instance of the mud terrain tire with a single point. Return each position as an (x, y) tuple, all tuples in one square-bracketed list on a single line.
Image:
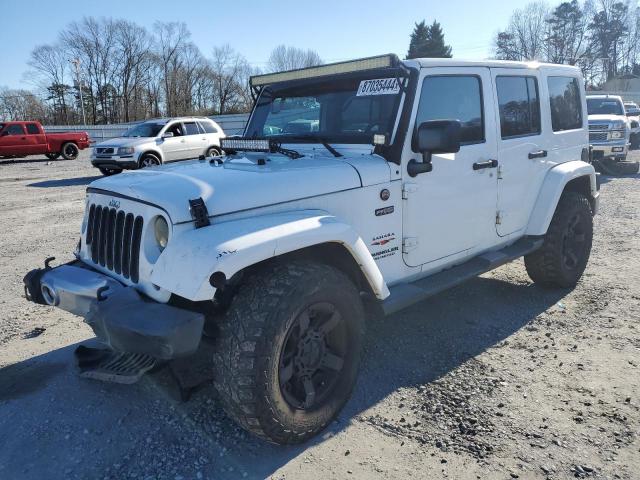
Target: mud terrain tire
[(283, 323), (563, 257)]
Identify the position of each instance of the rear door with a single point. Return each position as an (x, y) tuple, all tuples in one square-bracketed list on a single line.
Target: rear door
[(196, 140), (36, 140), (449, 213), (522, 146)]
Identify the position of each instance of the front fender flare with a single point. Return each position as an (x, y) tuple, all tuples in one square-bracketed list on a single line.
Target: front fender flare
[(185, 266), (551, 191)]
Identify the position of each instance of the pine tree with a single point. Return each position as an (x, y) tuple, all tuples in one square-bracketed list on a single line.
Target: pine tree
[(428, 42), (419, 38)]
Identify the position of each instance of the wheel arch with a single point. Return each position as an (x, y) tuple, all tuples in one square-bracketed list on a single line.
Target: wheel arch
[(575, 176), (151, 151), (222, 252)]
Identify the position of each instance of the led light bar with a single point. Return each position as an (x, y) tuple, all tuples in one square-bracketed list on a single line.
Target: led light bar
[(244, 145), (381, 61)]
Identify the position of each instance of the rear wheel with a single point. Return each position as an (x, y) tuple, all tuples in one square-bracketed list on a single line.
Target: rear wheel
[(289, 349), (149, 160), (70, 151), (109, 171), (213, 152), (563, 257), (52, 156)]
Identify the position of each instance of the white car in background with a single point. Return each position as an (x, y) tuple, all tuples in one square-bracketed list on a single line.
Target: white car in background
[(633, 114), (159, 141)]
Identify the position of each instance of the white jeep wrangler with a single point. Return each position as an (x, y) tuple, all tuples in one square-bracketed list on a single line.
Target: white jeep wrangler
[(409, 177)]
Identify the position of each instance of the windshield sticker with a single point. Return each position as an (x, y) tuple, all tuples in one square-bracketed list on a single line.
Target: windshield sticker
[(380, 86)]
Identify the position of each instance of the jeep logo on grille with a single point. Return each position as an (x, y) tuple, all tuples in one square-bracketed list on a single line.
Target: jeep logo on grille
[(114, 203)]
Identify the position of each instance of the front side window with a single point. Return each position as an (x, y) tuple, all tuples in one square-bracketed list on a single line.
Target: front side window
[(340, 111), (32, 129), (176, 129), (453, 97), (565, 103), (519, 106), (191, 128), (15, 130)]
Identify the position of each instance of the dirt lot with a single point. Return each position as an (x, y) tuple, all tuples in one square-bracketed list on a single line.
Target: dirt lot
[(495, 379)]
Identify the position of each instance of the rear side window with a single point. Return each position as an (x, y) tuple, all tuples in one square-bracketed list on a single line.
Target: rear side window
[(454, 97), (207, 127), (32, 129), (519, 106), (566, 106), (191, 128), (15, 129)]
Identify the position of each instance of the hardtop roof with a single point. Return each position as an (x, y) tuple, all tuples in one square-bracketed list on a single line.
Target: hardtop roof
[(454, 62)]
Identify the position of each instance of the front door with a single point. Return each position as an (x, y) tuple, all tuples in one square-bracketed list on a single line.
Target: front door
[(521, 149), (13, 140), (449, 213), (174, 148)]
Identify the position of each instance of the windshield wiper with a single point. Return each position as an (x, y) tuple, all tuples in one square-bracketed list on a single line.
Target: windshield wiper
[(321, 140)]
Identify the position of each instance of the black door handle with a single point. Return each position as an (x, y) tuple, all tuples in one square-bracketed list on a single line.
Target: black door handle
[(537, 154), (487, 164)]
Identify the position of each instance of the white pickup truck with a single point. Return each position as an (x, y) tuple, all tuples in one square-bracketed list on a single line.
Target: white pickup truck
[(359, 186), (609, 134)]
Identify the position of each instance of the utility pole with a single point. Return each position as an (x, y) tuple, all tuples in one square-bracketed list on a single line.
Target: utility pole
[(76, 62)]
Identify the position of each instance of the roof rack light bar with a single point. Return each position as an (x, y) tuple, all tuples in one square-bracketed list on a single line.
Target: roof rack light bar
[(380, 61)]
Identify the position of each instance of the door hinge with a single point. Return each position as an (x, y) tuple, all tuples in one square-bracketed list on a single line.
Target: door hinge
[(408, 188), (499, 174), (409, 243), (498, 217)]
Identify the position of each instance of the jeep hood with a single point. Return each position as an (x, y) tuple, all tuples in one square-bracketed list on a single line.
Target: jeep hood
[(241, 183)]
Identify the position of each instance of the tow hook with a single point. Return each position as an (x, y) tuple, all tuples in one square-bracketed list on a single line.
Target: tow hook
[(32, 288)]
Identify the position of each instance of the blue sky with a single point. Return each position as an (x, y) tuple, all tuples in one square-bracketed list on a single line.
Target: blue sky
[(338, 30)]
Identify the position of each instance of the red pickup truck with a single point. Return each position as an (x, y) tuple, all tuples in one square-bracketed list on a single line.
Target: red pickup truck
[(19, 139)]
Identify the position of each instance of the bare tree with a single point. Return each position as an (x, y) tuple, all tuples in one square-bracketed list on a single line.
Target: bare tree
[(291, 58), (524, 37), (231, 74)]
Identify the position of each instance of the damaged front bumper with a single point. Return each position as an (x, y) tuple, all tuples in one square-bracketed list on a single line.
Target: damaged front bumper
[(121, 318)]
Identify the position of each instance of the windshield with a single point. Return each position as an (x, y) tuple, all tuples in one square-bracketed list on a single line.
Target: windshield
[(144, 130), (604, 106), (343, 111)]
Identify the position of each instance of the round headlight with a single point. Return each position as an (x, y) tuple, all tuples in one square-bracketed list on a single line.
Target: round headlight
[(161, 229)]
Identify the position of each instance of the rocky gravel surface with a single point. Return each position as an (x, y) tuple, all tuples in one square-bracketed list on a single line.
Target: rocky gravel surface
[(494, 379)]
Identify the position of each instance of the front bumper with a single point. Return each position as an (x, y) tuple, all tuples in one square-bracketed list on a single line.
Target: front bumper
[(114, 161), (610, 149), (120, 317)]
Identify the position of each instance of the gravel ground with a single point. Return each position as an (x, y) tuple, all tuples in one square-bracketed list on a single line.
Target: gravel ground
[(495, 379)]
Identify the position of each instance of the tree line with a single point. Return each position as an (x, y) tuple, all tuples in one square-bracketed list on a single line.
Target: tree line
[(599, 36), (123, 72)]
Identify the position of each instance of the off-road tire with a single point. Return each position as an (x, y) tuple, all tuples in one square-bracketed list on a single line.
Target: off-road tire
[(52, 156), (252, 338), (70, 151), (547, 266), (109, 171), (149, 160)]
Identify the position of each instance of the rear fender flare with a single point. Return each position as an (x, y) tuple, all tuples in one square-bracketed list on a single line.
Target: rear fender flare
[(554, 184), (186, 265)]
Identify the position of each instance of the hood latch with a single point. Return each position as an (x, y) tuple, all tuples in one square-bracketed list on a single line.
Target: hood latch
[(199, 212)]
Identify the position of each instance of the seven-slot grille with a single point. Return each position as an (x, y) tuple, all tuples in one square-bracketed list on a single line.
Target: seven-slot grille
[(598, 136), (113, 238)]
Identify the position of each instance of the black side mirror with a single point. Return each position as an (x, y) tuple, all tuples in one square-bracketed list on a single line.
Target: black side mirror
[(435, 136)]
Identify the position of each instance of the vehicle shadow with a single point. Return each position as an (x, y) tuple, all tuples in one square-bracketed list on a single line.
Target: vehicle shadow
[(65, 182), (412, 348), (13, 161)]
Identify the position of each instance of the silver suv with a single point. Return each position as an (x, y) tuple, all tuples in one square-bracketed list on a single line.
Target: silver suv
[(156, 142)]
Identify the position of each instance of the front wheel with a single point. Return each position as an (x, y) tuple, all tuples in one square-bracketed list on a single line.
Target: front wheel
[(289, 350), (565, 252), (149, 160), (70, 151)]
